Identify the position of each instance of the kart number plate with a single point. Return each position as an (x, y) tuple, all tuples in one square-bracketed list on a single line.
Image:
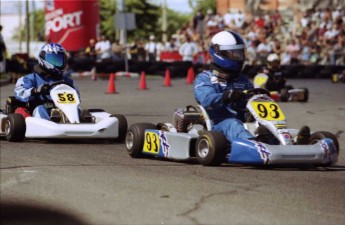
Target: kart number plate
[(152, 143), (268, 111), (66, 98)]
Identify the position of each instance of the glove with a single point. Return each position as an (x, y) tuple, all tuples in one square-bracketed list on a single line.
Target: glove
[(43, 90), (232, 96)]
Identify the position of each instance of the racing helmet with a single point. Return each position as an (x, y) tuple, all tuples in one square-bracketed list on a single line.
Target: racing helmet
[(227, 52), (273, 61), (52, 58)]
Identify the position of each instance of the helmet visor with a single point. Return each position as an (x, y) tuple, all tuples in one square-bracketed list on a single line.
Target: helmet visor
[(275, 64), (57, 60), (235, 55)]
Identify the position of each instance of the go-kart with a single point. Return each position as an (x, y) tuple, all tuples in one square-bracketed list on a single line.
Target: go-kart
[(67, 120), (191, 137), (286, 94)]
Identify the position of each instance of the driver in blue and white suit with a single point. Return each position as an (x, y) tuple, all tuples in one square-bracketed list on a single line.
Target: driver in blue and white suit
[(30, 88), (219, 89)]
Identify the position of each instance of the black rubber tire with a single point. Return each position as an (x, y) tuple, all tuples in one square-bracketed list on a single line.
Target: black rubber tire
[(216, 146), (306, 95), (123, 125), (15, 127), (135, 138), (316, 136), (284, 94)]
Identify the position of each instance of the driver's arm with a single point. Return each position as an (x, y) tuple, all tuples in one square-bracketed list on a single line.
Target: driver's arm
[(23, 89)]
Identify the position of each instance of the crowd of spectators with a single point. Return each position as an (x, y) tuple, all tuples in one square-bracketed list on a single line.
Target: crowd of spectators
[(314, 36)]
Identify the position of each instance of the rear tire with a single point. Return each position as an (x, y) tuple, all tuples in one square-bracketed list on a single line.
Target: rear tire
[(135, 138), (317, 136), (211, 148), (15, 127), (284, 95), (123, 125)]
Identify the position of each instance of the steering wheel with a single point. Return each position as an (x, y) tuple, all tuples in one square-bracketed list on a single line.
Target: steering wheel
[(55, 84), (256, 91)]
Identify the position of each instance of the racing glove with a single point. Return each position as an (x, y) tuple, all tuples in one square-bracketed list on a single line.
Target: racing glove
[(43, 90), (232, 96)]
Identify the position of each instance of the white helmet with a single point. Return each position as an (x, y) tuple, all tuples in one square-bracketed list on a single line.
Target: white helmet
[(227, 53), (273, 61)]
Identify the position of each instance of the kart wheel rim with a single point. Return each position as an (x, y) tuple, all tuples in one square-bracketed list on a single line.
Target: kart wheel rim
[(129, 140), (7, 126), (203, 148)]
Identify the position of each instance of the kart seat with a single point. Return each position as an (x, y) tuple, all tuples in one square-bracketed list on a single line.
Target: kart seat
[(185, 118)]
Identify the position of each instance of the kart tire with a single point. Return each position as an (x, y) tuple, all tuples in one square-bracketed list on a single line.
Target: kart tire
[(284, 94), (14, 127), (211, 148), (306, 95), (316, 136), (135, 138), (123, 125)]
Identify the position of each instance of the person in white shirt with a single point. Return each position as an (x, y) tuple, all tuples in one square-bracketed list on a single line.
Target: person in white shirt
[(188, 49), (103, 49), (151, 48)]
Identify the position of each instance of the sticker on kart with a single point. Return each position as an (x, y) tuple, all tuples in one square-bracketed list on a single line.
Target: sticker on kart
[(268, 111), (66, 98), (156, 143)]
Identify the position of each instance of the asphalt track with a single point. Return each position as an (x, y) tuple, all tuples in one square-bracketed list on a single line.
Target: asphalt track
[(98, 183)]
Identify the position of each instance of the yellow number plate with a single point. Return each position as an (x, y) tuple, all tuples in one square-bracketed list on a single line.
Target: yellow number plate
[(152, 143), (66, 98), (268, 110)]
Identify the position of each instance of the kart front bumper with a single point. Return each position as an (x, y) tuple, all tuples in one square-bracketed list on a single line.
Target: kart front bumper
[(257, 153), (40, 128)]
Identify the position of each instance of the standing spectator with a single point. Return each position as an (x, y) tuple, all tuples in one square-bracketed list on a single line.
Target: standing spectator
[(263, 50), (2, 53), (198, 24), (188, 50), (117, 50), (141, 50), (90, 50), (151, 48), (293, 50), (134, 49), (103, 49)]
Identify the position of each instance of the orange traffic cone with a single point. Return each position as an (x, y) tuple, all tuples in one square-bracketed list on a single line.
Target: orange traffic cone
[(111, 84), (190, 76), (142, 83), (167, 81)]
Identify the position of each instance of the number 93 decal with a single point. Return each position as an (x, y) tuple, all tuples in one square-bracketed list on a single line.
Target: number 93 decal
[(152, 143), (66, 98), (268, 110)]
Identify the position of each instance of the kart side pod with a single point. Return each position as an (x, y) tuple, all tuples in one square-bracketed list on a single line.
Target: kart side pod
[(257, 153)]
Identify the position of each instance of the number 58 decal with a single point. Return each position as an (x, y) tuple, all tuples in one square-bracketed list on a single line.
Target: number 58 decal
[(66, 98), (268, 110)]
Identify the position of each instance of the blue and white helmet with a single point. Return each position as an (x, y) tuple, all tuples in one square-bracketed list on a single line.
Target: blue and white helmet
[(52, 58), (227, 51)]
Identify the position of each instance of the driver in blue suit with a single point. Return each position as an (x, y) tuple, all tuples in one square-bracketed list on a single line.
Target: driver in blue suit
[(30, 88), (219, 89)]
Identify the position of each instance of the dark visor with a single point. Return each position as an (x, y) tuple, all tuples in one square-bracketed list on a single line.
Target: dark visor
[(236, 54), (57, 60)]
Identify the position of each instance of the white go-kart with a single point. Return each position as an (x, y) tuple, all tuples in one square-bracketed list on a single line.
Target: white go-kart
[(67, 120)]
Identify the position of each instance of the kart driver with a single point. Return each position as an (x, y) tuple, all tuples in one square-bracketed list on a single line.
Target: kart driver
[(30, 88), (276, 78), (220, 88)]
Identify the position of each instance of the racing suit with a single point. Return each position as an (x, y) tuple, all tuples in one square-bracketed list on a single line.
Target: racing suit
[(24, 91), (276, 79), (208, 92)]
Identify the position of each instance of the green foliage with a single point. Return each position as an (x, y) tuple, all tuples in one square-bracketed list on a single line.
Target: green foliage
[(107, 13), (204, 5)]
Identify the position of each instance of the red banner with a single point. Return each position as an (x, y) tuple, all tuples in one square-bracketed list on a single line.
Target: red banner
[(71, 23)]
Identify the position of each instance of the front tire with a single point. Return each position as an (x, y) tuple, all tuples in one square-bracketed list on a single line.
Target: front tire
[(317, 136), (15, 127), (135, 138), (306, 95), (211, 148), (123, 125)]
